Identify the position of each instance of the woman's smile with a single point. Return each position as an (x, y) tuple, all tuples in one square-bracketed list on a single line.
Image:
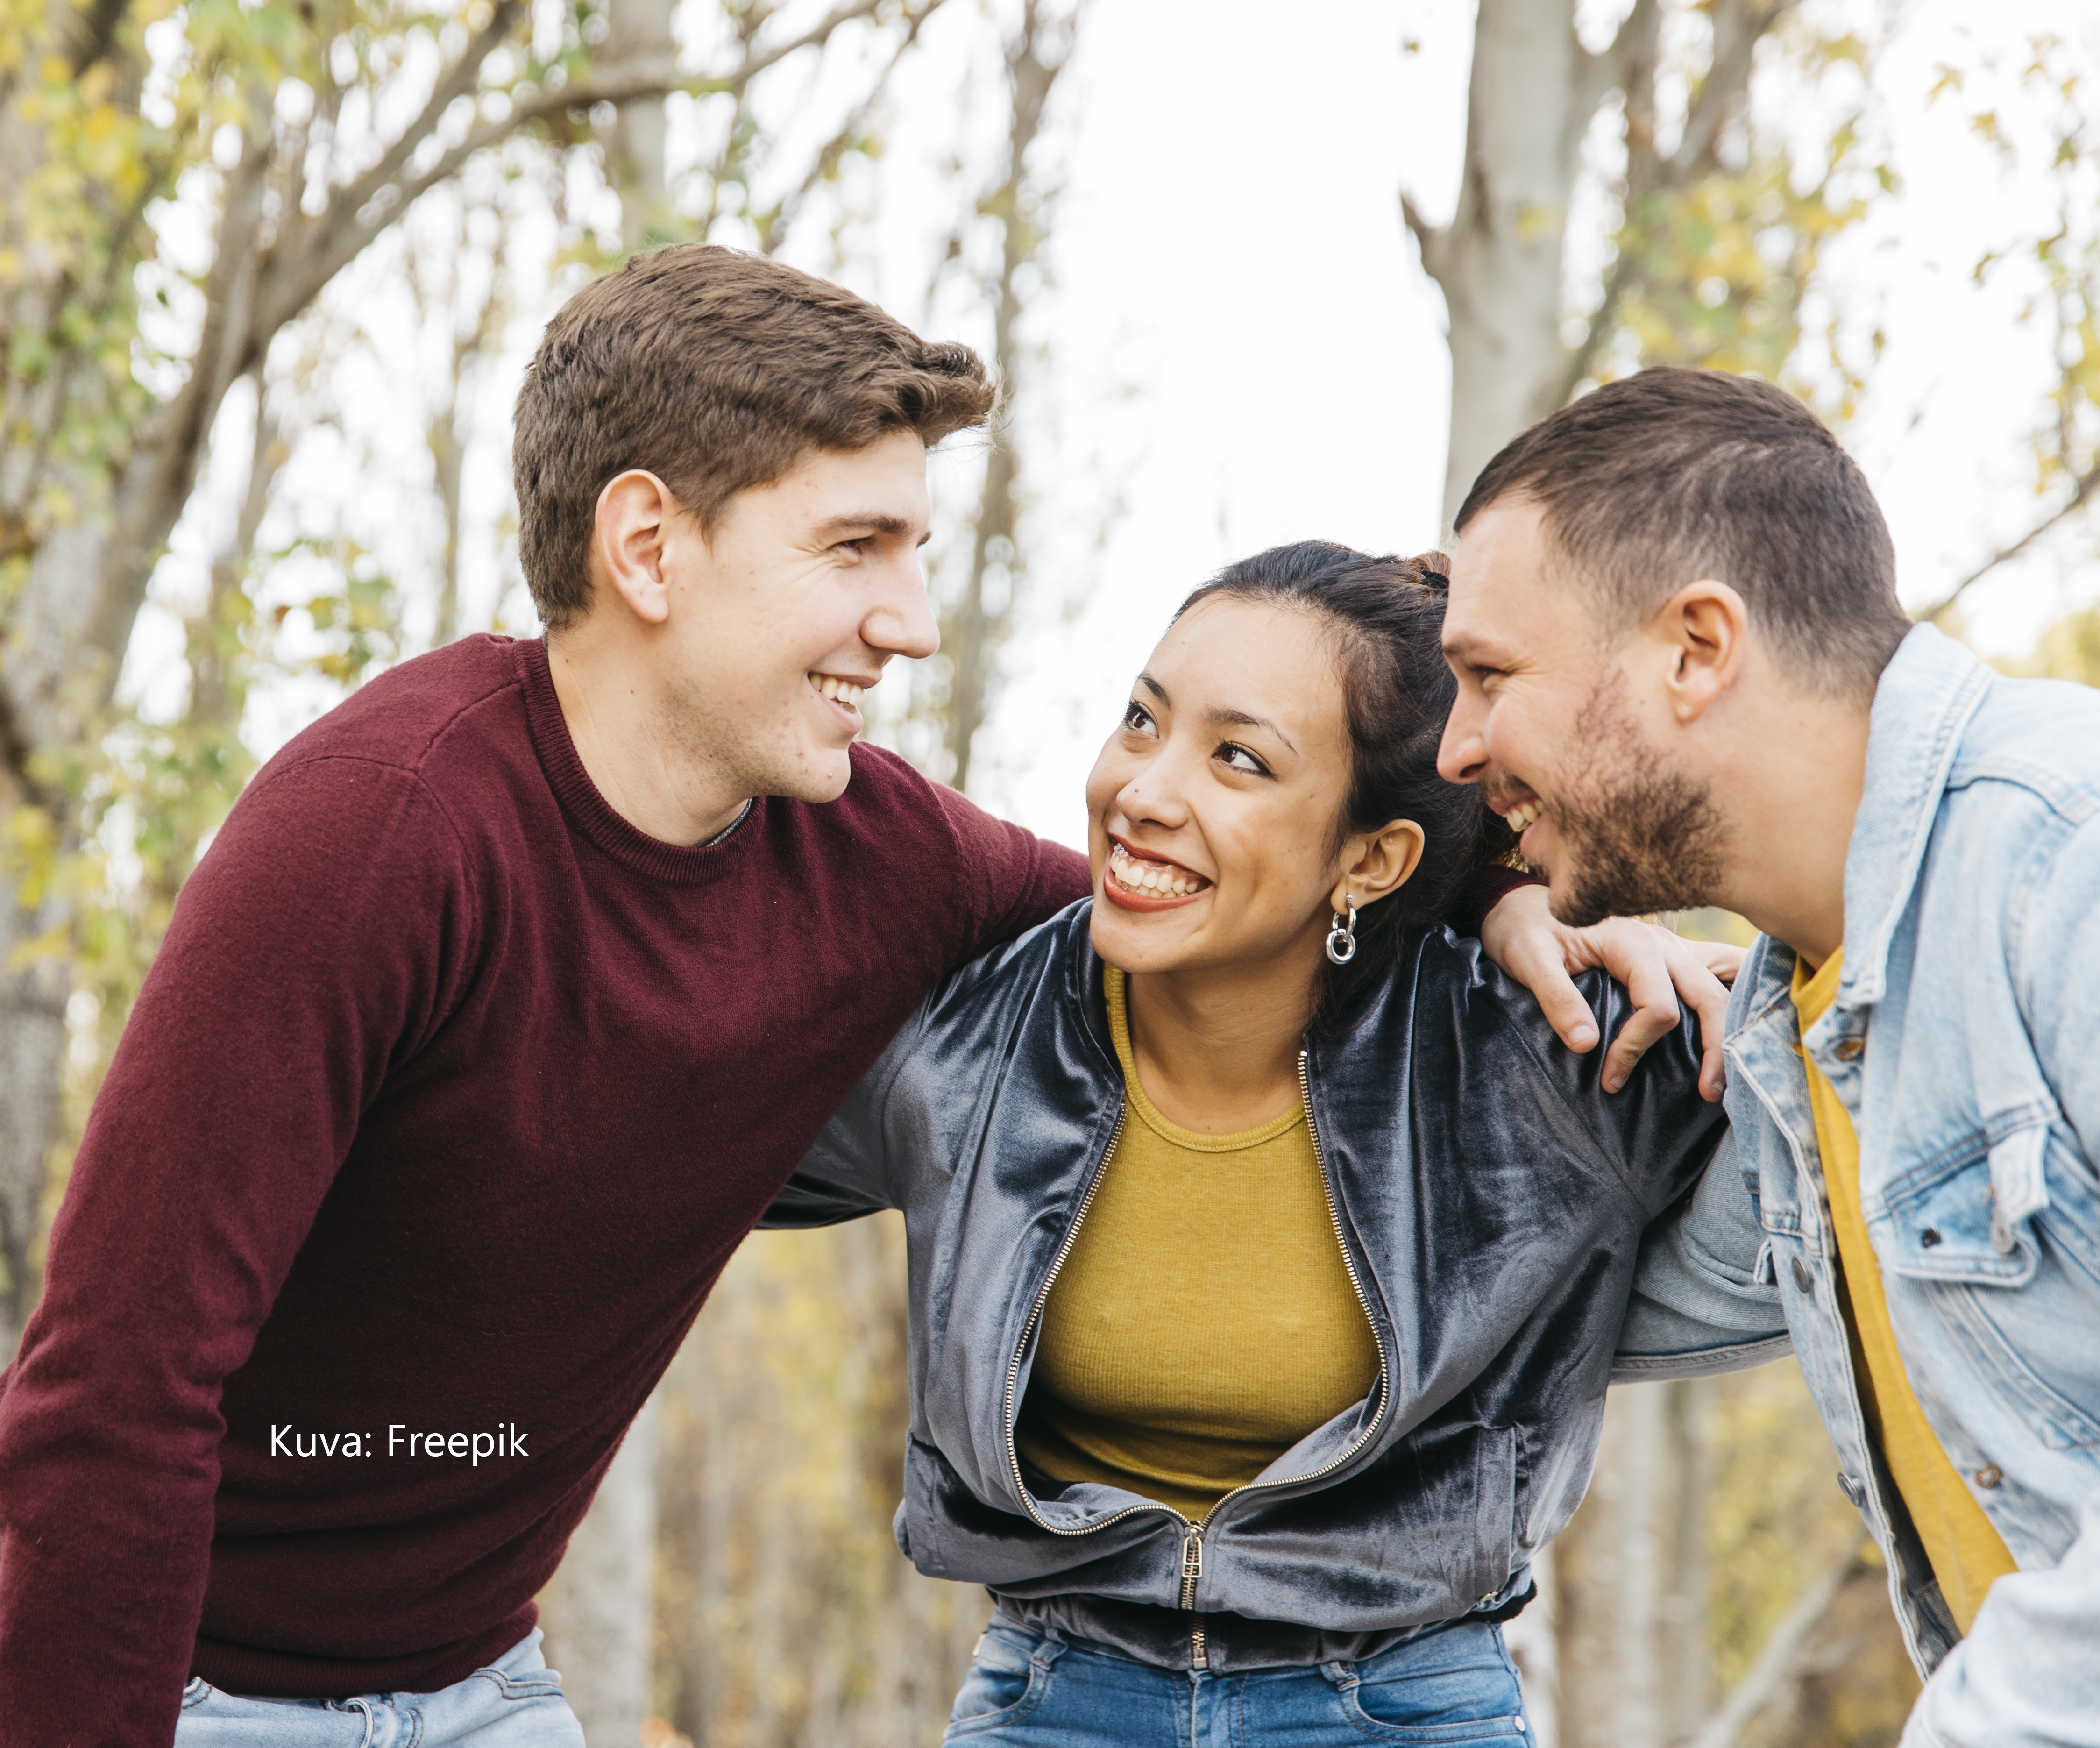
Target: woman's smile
[(1138, 882)]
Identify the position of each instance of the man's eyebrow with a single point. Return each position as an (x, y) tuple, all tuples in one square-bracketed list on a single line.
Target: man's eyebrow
[(1465, 646), (869, 522)]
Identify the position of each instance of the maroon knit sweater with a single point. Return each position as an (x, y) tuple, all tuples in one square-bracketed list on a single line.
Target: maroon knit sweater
[(446, 1100)]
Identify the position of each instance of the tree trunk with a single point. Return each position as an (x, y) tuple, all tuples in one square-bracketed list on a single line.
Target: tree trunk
[(599, 1610), (1533, 91), (55, 680), (1631, 1581), (32, 1042), (976, 625), (641, 30)]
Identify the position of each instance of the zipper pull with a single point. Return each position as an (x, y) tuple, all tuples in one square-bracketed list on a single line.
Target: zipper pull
[(1191, 1564)]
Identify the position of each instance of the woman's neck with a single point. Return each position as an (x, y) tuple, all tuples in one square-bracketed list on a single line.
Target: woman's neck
[(1217, 1050)]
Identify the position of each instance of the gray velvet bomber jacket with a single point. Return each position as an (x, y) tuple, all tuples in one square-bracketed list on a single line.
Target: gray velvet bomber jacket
[(1491, 1202)]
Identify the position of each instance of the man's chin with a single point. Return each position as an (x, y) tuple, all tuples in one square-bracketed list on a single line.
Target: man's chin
[(1581, 897), (822, 777)]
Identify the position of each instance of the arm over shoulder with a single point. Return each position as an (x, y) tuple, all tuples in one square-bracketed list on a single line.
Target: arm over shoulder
[(1011, 879)]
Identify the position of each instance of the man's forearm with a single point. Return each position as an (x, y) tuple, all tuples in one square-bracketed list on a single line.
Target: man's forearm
[(1697, 1305)]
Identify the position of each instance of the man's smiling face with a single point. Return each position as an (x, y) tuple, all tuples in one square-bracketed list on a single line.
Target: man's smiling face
[(791, 606), (1554, 727)]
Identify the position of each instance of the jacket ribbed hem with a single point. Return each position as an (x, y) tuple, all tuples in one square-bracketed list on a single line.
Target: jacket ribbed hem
[(1232, 1644)]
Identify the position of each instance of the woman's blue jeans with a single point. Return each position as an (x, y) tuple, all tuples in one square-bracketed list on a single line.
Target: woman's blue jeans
[(1030, 1690)]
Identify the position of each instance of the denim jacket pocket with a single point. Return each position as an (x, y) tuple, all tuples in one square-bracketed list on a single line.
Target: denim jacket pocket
[(2013, 1304), (1948, 1225)]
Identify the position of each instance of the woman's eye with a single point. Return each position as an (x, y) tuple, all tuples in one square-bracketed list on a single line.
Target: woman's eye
[(1239, 758), (1137, 716)]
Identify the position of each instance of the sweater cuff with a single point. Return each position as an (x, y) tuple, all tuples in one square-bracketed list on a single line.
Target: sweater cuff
[(1483, 890)]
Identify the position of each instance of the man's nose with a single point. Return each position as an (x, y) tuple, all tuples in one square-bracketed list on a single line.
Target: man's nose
[(901, 622), (1463, 753)]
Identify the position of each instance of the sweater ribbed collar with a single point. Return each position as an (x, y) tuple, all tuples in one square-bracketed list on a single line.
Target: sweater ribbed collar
[(680, 864)]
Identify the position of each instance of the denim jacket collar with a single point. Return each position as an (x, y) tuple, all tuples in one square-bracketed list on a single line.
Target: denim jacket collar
[(1928, 692)]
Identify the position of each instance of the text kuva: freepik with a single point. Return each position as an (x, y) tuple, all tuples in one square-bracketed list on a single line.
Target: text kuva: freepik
[(506, 1440)]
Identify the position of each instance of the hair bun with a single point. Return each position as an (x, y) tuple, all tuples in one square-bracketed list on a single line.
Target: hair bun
[(1433, 570)]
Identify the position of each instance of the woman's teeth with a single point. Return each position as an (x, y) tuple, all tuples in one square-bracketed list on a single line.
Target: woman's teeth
[(1159, 877), (1520, 817), (844, 690)]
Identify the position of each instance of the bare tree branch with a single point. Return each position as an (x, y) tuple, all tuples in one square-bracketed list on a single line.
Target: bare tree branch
[(2085, 485), (826, 160), (845, 13), (346, 202), (1428, 238), (1779, 1661), (94, 32), (1738, 26)]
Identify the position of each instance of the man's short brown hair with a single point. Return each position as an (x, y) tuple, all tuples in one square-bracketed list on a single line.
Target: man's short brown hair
[(716, 372), (1674, 475)]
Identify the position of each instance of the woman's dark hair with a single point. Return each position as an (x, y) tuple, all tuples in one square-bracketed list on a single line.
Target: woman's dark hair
[(1387, 617)]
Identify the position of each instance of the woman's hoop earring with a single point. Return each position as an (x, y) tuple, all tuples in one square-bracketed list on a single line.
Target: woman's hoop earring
[(1342, 937)]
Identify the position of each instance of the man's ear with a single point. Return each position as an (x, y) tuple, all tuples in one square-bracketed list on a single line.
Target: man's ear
[(1377, 865), (1705, 630), (627, 543)]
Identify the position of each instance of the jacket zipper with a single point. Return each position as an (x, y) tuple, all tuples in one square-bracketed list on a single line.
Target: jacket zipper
[(1192, 1544)]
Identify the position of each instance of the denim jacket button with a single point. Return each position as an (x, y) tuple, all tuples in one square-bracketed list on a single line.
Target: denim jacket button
[(1989, 1476), (1851, 1489), (1801, 1278), (1850, 1049)]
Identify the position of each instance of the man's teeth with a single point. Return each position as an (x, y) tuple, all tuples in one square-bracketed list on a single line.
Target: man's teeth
[(1168, 881), (844, 690), (1520, 817)]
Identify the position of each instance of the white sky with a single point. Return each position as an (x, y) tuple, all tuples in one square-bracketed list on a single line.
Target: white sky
[(1243, 349)]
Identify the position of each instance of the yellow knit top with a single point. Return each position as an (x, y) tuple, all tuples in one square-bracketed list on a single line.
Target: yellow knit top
[(1204, 1321), (1966, 1551)]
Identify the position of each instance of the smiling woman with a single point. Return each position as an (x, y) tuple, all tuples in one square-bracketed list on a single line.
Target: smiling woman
[(1263, 1304)]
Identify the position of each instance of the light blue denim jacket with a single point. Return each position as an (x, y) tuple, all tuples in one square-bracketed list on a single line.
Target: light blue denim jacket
[(1965, 1043)]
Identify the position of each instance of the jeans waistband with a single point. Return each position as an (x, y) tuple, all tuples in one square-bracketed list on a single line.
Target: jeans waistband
[(1164, 1638)]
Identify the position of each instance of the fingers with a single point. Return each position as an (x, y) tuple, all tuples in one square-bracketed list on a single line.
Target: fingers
[(1703, 974), (1521, 935), (1559, 999), (1639, 956), (1719, 958)]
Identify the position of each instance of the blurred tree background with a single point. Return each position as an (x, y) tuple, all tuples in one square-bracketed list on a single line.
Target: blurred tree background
[(268, 272)]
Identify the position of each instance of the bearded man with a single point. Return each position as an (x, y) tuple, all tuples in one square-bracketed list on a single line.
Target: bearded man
[(1685, 677)]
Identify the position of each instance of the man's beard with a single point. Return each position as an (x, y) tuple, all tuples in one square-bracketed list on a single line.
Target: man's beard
[(1639, 836)]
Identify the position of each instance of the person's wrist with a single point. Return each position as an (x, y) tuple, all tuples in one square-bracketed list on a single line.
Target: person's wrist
[(1485, 889)]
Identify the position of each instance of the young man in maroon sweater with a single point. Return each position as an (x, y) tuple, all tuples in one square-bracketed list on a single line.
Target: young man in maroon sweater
[(509, 994)]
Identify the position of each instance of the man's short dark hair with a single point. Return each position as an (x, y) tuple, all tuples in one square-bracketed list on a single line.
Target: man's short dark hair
[(1674, 474), (716, 372)]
